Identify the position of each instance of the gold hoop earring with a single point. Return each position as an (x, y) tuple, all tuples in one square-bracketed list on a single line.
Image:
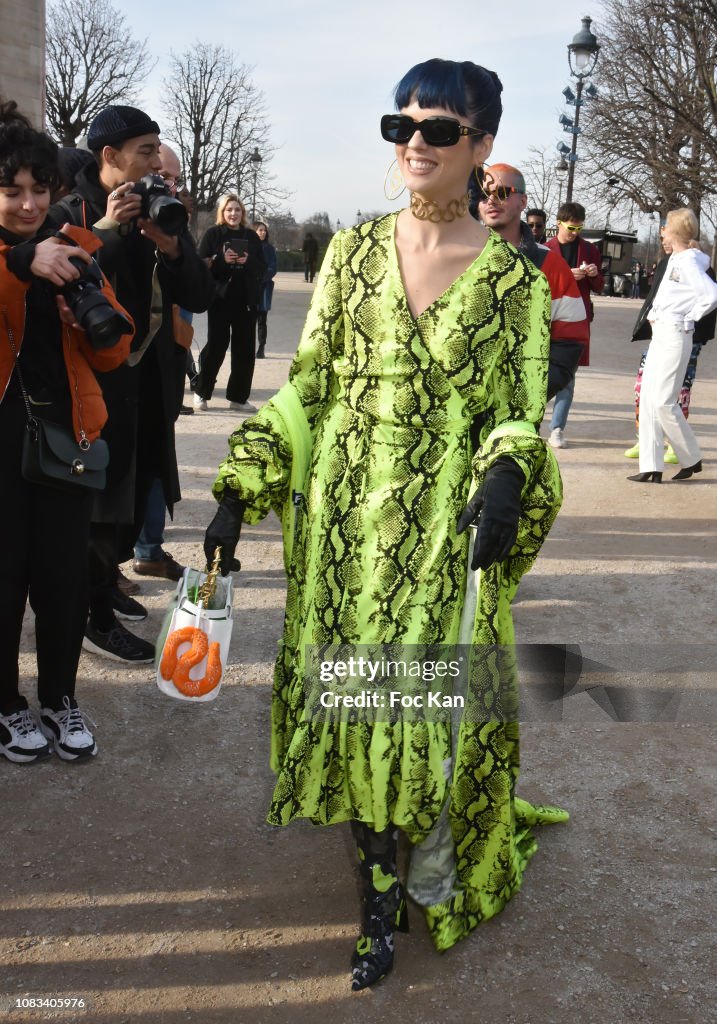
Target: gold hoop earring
[(393, 183)]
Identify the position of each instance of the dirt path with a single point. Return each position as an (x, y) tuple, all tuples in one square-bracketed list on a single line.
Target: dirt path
[(148, 884)]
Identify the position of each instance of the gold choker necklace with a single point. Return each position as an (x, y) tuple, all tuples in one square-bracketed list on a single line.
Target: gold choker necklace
[(426, 209)]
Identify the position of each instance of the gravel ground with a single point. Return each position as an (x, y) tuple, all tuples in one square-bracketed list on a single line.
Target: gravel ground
[(148, 884)]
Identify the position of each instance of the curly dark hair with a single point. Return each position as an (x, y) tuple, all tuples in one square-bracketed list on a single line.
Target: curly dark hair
[(21, 146)]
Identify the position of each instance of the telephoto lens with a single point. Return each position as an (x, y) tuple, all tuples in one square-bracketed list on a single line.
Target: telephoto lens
[(103, 324)]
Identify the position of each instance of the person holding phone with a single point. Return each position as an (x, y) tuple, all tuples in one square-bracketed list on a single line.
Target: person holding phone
[(234, 254)]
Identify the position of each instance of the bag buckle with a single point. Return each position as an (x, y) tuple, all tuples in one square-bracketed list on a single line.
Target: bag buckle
[(77, 468)]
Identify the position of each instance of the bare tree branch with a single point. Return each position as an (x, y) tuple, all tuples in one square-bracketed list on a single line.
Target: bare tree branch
[(218, 118), (653, 126), (92, 61)]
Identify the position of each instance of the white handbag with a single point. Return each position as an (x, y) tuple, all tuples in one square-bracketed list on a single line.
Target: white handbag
[(193, 646)]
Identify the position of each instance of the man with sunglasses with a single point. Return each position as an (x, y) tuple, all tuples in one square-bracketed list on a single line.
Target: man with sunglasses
[(503, 200), (584, 260), (537, 219)]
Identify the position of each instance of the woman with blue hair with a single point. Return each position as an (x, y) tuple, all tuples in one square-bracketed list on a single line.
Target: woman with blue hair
[(423, 326)]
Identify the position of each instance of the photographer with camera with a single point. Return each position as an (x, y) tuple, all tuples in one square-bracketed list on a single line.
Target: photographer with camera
[(60, 321), (149, 255), (234, 253)]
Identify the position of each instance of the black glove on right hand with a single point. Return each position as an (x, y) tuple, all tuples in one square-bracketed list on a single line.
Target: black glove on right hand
[(223, 532), (495, 510)]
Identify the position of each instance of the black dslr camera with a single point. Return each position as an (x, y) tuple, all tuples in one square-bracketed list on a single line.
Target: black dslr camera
[(102, 323), (159, 206)]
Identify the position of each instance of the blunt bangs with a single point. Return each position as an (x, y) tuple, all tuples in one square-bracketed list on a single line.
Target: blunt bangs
[(435, 83)]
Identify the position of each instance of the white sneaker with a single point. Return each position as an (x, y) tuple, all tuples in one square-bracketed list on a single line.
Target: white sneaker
[(67, 730), (243, 407), (557, 439), (200, 403), (21, 739)]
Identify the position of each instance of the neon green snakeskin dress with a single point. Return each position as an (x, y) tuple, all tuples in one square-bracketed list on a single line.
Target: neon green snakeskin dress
[(389, 401)]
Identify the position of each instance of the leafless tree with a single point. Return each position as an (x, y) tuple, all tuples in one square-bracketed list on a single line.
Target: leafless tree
[(218, 118), (92, 61), (653, 127), (541, 180)]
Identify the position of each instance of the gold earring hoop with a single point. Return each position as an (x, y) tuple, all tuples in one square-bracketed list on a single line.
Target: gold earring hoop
[(393, 183)]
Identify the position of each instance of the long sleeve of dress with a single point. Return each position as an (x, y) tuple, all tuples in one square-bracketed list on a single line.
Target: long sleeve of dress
[(258, 467)]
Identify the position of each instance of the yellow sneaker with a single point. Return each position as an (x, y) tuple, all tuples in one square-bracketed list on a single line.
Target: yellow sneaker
[(634, 452), (670, 457)]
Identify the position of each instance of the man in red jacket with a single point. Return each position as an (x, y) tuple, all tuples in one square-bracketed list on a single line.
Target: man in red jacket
[(584, 260)]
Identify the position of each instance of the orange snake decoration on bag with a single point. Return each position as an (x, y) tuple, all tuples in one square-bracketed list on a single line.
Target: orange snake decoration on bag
[(177, 668)]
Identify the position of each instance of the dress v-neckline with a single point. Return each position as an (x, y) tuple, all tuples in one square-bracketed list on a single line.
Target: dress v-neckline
[(415, 319)]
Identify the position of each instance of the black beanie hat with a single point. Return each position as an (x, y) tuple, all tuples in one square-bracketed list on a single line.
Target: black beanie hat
[(71, 162), (115, 125)]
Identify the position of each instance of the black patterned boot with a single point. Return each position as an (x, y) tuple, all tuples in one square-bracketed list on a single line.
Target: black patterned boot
[(384, 905)]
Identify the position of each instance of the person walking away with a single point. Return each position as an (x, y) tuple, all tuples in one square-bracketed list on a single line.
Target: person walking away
[(684, 296)]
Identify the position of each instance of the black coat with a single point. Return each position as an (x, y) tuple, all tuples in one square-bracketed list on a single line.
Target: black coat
[(642, 331), (236, 284), (143, 400)]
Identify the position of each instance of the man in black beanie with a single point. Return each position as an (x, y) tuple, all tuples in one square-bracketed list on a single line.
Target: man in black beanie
[(150, 270)]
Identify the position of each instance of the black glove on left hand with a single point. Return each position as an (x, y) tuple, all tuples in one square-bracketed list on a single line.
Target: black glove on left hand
[(495, 510), (223, 532)]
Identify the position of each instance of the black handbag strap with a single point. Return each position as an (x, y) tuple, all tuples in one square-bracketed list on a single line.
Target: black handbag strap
[(32, 425), (31, 421)]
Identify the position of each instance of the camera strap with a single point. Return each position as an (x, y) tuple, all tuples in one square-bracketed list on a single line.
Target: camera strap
[(156, 311)]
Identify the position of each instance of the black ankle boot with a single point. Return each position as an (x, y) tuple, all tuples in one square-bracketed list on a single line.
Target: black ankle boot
[(688, 471), (384, 906)]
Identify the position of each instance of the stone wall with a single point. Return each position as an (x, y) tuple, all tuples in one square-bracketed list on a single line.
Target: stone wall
[(22, 55)]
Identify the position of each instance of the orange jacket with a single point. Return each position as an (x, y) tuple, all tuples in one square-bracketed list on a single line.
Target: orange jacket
[(89, 413)]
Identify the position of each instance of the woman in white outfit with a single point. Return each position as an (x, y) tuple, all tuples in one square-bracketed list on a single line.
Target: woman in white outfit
[(685, 295)]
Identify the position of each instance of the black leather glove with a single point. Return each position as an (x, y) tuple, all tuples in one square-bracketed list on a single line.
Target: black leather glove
[(495, 510), (224, 531)]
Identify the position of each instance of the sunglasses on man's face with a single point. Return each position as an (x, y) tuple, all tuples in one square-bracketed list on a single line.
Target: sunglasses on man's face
[(500, 193), (572, 228), (436, 131)]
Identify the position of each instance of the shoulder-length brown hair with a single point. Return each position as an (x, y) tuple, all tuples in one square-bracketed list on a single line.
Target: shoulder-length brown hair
[(231, 197)]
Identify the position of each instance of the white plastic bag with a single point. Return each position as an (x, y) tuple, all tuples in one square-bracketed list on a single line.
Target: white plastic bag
[(201, 681)]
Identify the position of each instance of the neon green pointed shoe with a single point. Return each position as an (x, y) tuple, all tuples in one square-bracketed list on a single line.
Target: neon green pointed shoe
[(670, 457), (634, 452)]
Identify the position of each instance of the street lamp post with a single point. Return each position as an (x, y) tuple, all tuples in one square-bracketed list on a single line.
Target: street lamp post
[(256, 161), (561, 169), (359, 215), (582, 58)]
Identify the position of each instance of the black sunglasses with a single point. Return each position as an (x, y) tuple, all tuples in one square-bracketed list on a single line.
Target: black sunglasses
[(436, 131), (500, 192)]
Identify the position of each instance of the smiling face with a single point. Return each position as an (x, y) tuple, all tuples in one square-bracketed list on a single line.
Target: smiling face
[(439, 173), (23, 204), (233, 214)]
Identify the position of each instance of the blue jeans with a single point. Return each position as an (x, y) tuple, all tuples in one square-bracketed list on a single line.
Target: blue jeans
[(149, 542), (561, 408)]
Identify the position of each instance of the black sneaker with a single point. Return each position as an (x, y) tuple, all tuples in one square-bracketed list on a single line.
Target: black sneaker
[(125, 607), (119, 644)]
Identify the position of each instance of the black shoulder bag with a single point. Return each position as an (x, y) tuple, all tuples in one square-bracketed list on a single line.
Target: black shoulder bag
[(51, 455)]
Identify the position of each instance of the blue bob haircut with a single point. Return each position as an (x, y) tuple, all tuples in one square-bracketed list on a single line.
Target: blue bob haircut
[(468, 89)]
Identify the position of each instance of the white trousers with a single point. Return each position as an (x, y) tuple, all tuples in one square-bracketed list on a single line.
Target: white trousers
[(660, 415)]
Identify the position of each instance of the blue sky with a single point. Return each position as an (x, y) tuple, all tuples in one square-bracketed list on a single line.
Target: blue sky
[(327, 71)]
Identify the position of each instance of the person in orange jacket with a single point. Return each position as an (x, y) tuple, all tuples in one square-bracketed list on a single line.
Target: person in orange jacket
[(46, 357)]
